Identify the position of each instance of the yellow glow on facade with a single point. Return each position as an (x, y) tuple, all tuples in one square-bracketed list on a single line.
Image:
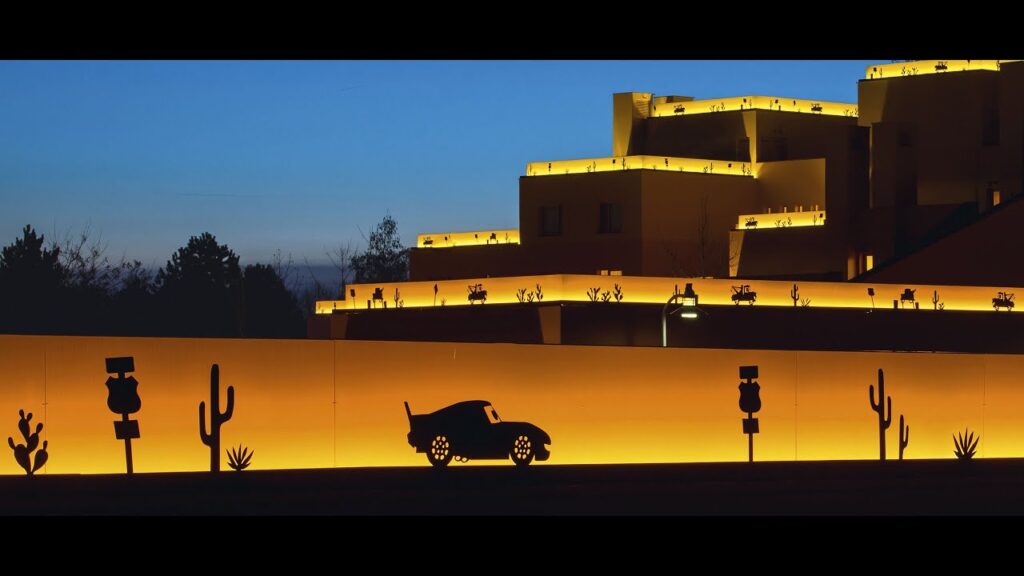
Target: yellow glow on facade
[(775, 220), (474, 238), (869, 262), (660, 106), (923, 67), (619, 163), (654, 290), (322, 404)]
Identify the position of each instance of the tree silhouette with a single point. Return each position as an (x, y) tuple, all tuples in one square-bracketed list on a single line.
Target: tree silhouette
[(31, 282), (271, 311), (200, 290), (385, 259)]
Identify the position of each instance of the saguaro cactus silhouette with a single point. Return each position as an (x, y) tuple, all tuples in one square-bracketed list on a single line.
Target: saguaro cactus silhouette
[(794, 294), (23, 452), (883, 420), (217, 418), (904, 437)]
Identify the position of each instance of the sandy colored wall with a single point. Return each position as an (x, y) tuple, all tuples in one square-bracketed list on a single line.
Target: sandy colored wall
[(322, 404)]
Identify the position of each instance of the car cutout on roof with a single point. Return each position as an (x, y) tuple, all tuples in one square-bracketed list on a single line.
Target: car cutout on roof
[(472, 430)]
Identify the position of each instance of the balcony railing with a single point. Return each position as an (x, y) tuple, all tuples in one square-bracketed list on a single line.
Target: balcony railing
[(661, 107), (923, 67), (913, 298), (777, 220), (474, 238), (620, 163)]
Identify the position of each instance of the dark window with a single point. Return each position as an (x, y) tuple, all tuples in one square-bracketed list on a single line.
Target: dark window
[(904, 138), (773, 149), (550, 220), (743, 150), (611, 218), (859, 140), (990, 127)]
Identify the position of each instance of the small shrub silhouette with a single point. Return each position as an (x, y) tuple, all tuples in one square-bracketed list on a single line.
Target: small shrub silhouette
[(239, 458), (593, 293), (23, 452), (540, 293), (524, 297), (617, 293), (964, 447)]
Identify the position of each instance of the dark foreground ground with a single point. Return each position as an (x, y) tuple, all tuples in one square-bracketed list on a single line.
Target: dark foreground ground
[(914, 487)]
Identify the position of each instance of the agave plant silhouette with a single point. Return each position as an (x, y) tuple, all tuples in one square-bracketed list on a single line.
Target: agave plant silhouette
[(965, 445), (239, 458)]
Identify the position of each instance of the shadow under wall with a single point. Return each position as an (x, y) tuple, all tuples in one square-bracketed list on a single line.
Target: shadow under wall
[(743, 326)]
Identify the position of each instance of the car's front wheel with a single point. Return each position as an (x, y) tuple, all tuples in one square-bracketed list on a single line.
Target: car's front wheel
[(522, 450), (440, 452)]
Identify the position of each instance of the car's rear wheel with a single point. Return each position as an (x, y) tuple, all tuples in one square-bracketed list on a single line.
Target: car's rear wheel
[(440, 451), (522, 450)]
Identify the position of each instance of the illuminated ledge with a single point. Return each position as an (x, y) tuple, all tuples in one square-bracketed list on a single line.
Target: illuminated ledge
[(653, 290), (776, 220), (661, 107), (619, 163), (922, 67), (475, 238)]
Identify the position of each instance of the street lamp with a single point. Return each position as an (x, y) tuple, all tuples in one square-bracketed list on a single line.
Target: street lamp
[(687, 308)]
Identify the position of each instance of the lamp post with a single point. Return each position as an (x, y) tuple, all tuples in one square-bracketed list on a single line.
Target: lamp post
[(687, 308)]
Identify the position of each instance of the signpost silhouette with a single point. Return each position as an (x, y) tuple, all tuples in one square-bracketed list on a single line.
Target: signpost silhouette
[(123, 398), (750, 402)]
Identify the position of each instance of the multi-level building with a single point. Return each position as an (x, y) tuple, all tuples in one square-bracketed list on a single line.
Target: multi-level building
[(915, 184)]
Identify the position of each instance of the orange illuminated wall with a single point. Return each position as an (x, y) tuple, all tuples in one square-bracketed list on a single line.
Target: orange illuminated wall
[(318, 404)]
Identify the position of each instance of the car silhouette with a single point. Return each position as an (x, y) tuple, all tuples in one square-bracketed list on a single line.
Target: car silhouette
[(472, 430)]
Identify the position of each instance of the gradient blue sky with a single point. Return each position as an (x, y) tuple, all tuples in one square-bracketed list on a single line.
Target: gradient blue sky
[(298, 156)]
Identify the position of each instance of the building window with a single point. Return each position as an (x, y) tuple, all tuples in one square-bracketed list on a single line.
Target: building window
[(996, 198), (611, 218), (550, 220), (869, 262), (773, 149), (990, 127), (904, 139), (743, 149)]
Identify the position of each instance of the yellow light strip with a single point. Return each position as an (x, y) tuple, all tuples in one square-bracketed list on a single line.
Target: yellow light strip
[(619, 163), (654, 290), (776, 220), (660, 107), (474, 238), (923, 67)]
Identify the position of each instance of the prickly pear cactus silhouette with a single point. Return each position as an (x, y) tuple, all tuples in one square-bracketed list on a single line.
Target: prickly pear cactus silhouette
[(904, 437), (879, 407), (23, 452), (217, 418)]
